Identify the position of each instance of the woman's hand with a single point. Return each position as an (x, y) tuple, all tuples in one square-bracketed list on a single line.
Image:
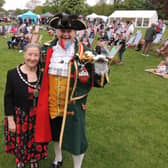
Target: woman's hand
[(11, 124)]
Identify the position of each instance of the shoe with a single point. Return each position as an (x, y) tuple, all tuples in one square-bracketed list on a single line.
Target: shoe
[(34, 164), (20, 51), (147, 55), (19, 165), (143, 54), (58, 165)]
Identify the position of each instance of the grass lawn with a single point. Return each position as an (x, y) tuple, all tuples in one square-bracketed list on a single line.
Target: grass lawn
[(127, 121)]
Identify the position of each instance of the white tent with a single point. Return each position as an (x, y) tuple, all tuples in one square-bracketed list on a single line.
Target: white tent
[(92, 16), (142, 18), (104, 18), (95, 16)]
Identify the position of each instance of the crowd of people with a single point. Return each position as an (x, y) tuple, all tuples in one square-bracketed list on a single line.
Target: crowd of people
[(110, 35), (124, 34), (22, 34), (116, 33)]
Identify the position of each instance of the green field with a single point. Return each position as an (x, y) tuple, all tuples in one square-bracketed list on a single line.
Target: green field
[(127, 121)]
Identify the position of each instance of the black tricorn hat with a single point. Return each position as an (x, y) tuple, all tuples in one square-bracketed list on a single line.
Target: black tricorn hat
[(67, 21)]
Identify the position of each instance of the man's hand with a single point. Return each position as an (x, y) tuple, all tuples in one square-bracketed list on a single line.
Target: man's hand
[(11, 124)]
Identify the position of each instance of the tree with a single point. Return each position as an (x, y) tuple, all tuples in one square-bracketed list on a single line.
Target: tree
[(73, 6), (31, 4), (20, 11), (162, 7), (100, 2), (2, 2), (116, 2), (53, 5), (38, 10), (104, 9), (135, 4), (44, 9), (52, 2)]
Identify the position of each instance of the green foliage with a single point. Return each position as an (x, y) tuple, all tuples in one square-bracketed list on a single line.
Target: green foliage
[(73, 6), (3, 11), (162, 7), (39, 10), (52, 3), (2, 2), (20, 11), (103, 9), (135, 5), (79, 7)]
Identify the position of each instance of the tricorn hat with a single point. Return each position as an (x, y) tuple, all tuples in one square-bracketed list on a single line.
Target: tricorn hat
[(67, 21)]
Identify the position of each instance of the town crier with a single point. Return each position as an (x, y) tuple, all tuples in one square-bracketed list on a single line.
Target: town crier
[(68, 77)]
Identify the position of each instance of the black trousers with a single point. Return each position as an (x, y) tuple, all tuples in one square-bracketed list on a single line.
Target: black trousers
[(56, 124)]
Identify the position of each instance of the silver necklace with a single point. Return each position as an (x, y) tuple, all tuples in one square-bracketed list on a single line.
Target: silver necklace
[(26, 82)]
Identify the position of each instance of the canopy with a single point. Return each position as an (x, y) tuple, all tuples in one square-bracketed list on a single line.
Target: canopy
[(92, 16), (47, 15), (142, 18), (103, 17), (30, 15), (95, 16)]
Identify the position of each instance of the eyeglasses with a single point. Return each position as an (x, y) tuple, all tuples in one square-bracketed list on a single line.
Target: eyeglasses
[(66, 30)]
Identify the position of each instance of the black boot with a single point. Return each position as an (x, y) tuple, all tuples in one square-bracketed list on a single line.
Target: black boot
[(58, 165)]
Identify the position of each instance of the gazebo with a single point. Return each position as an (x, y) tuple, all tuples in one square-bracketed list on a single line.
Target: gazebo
[(30, 15), (46, 15)]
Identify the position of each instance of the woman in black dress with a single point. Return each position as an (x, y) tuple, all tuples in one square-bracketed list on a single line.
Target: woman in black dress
[(20, 102)]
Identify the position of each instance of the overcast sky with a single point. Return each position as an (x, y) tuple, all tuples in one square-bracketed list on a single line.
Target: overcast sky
[(13, 4)]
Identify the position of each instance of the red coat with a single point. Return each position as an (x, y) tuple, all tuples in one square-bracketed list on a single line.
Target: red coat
[(42, 127)]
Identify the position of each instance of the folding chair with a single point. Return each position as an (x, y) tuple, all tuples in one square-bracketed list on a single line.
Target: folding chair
[(114, 51)]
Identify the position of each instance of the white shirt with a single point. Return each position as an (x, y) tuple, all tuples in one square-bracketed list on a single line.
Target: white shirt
[(60, 59)]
